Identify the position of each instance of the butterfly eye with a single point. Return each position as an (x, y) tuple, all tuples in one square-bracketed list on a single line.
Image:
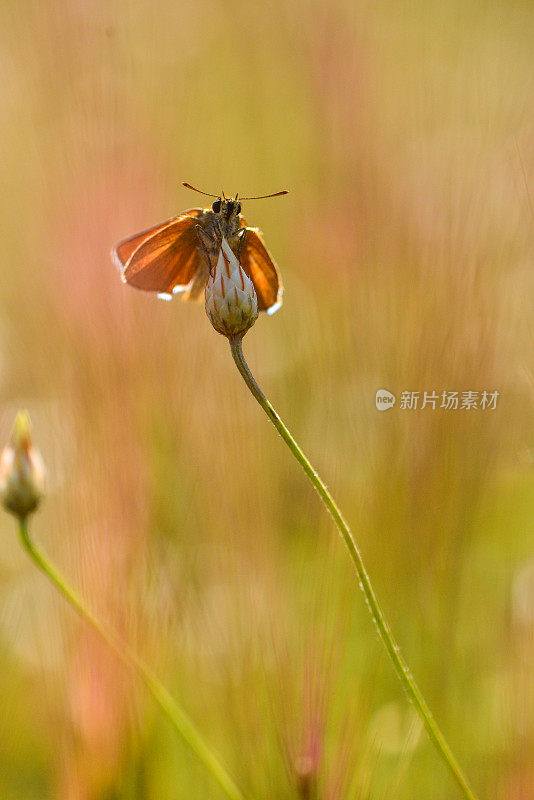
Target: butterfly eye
[(216, 206), (238, 208)]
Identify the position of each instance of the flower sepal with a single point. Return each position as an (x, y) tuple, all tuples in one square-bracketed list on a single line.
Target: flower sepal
[(230, 298)]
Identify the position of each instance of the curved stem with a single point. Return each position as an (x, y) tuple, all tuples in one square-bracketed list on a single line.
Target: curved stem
[(176, 715), (400, 665)]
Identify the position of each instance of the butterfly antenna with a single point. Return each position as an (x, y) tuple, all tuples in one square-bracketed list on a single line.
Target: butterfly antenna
[(264, 196), (188, 186)]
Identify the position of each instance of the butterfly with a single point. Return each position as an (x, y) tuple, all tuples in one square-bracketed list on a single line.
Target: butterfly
[(177, 256)]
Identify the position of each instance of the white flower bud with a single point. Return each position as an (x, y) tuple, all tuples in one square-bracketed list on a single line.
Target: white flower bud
[(231, 302), (22, 472)]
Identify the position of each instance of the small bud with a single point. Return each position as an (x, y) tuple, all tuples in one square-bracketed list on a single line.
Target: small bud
[(231, 302), (22, 472)]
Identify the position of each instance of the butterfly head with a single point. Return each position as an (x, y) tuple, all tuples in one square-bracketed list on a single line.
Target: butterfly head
[(227, 208)]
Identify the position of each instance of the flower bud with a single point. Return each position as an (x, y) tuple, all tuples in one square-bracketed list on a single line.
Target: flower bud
[(231, 302), (22, 472)]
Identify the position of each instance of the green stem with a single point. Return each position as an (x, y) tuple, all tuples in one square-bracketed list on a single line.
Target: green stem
[(176, 715), (401, 668)]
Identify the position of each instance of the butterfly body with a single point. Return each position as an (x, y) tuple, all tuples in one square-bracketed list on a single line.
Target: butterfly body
[(212, 225), (177, 256)]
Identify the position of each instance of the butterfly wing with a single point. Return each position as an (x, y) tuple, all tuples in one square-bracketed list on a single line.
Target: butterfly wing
[(122, 251), (261, 268), (163, 259)]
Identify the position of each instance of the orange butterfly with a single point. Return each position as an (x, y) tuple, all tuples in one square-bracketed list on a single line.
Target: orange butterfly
[(177, 256)]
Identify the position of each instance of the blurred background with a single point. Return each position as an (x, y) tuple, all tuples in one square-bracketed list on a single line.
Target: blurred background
[(405, 133)]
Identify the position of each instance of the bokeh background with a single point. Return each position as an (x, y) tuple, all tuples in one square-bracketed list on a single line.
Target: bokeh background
[(405, 133)]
